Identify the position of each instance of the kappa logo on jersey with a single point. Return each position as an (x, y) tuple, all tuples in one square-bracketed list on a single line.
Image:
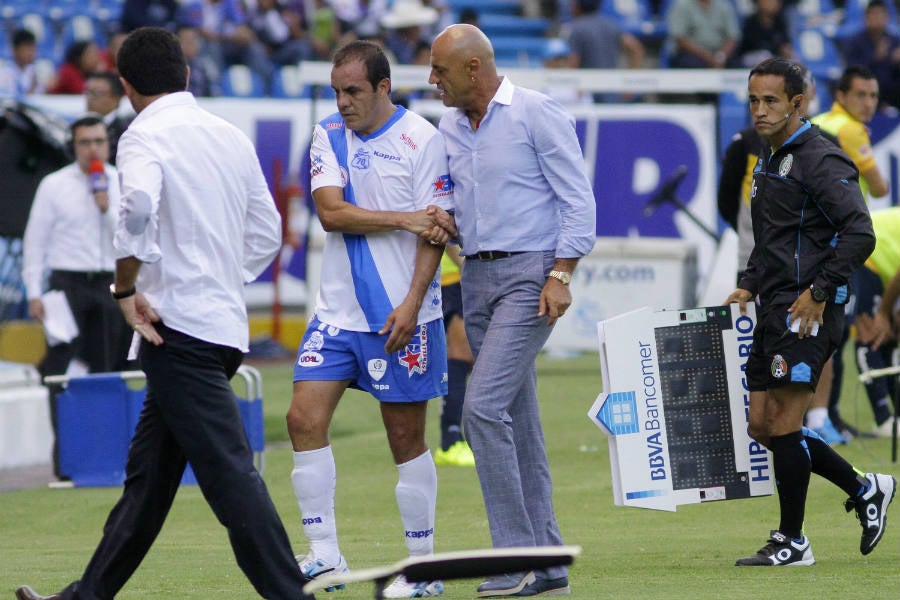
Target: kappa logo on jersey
[(377, 368), (415, 356), (386, 156), (315, 342), (310, 359), (361, 160), (318, 166), (443, 186), (779, 366), (786, 163)]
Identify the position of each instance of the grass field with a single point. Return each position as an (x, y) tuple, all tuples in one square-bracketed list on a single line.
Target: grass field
[(47, 535)]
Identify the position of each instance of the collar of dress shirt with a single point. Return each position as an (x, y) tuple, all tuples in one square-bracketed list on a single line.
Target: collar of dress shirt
[(163, 102)]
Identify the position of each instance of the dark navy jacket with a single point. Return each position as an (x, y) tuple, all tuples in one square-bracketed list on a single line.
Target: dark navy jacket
[(810, 222)]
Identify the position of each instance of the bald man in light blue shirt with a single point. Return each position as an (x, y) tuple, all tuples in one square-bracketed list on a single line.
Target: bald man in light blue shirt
[(526, 214)]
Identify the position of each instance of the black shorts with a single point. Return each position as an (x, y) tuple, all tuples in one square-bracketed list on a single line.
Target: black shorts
[(778, 357), (451, 299)]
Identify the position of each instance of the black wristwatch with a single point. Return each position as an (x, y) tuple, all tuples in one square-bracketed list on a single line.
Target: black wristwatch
[(123, 294), (818, 294)]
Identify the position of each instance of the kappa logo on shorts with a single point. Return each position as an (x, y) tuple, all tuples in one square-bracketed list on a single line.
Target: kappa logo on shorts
[(415, 356), (333, 331), (779, 366), (377, 368), (310, 359), (315, 342)]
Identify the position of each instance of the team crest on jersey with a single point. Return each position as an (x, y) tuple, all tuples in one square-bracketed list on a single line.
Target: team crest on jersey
[(786, 163), (315, 342), (377, 368), (779, 366), (443, 186), (361, 160), (415, 356)]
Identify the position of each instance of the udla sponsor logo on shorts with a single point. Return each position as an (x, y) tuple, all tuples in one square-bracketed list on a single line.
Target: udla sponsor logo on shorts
[(310, 359)]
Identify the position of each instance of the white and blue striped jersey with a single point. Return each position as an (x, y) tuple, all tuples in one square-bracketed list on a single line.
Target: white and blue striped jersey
[(400, 167)]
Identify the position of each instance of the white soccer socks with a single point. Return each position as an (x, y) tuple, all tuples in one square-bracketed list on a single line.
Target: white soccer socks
[(416, 497), (313, 479)]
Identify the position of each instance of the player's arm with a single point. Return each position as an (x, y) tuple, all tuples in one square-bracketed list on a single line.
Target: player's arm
[(734, 168), (883, 327), (402, 321), (878, 185), (338, 215)]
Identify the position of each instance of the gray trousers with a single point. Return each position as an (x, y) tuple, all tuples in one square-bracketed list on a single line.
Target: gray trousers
[(500, 415)]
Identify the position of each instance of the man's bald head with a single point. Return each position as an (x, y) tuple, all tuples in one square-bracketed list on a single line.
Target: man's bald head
[(464, 41), (463, 68)]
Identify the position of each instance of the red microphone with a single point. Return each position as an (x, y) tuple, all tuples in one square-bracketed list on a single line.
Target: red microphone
[(98, 176)]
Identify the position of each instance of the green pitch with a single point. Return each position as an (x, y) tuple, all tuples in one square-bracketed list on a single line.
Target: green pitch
[(47, 535)]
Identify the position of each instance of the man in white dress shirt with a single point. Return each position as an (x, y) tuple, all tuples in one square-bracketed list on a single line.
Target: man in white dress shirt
[(377, 326), (70, 234), (197, 222)]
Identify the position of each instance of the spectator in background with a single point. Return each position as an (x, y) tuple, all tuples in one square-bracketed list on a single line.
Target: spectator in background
[(595, 40), (82, 58), (108, 54), (702, 33), (325, 29), (405, 24), (204, 78), (103, 92), (280, 30), (878, 49), (152, 13), (18, 76), (227, 37), (557, 55), (359, 19), (764, 33)]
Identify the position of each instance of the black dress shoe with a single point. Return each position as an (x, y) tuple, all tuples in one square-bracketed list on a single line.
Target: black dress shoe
[(26, 593)]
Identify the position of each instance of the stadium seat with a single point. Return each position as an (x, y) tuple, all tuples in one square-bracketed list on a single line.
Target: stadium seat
[(819, 53), (82, 27), (239, 81), (518, 51), (486, 7), (496, 25), (286, 83)]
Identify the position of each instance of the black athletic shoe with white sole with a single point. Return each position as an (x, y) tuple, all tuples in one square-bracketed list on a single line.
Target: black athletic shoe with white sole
[(871, 509), (780, 551)]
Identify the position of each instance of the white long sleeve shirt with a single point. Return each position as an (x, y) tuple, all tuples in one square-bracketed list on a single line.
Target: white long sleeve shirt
[(197, 211), (66, 231)]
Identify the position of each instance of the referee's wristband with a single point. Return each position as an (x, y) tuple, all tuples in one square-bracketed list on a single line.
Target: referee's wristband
[(123, 294)]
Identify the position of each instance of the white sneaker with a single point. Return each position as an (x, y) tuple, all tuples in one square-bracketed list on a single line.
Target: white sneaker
[(401, 588), (886, 429), (314, 568)]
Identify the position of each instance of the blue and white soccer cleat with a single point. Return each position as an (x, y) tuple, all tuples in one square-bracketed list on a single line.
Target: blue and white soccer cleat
[(314, 567)]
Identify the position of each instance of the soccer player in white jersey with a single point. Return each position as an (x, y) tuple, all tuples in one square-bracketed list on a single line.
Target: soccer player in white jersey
[(377, 325)]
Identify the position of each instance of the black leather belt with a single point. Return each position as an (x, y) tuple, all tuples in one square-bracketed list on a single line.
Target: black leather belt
[(84, 275), (490, 255)]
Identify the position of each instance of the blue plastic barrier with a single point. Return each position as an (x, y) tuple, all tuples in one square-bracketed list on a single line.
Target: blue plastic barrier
[(97, 415)]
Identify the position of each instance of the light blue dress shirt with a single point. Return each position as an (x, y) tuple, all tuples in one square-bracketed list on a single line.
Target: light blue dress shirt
[(519, 180)]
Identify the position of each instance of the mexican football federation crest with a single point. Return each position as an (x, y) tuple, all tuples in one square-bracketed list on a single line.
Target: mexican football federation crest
[(785, 167), (779, 366)]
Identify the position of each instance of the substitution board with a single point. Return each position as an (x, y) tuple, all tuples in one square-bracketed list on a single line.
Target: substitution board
[(675, 406)]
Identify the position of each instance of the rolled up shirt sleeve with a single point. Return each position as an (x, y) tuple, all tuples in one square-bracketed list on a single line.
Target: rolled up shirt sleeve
[(140, 178)]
